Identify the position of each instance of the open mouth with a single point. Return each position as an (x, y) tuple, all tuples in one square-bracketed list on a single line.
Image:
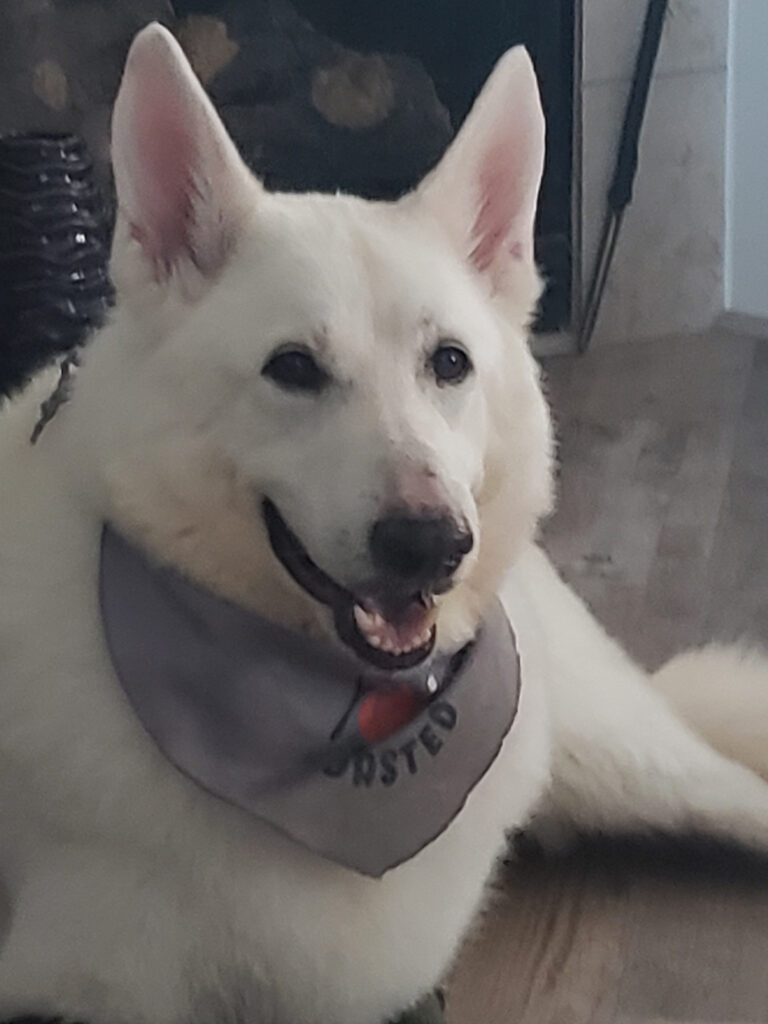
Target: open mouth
[(392, 633)]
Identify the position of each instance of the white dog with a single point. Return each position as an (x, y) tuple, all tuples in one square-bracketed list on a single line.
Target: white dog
[(321, 413)]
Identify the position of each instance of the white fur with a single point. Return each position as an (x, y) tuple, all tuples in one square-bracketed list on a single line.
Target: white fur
[(134, 896), (722, 692)]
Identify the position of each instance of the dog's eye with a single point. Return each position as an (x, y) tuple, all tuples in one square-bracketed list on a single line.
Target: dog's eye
[(450, 364), (295, 369)]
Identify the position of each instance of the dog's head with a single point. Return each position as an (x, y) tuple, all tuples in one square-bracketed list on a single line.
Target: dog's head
[(323, 407)]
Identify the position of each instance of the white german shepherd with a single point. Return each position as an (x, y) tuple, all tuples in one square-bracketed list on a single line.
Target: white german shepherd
[(324, 411)]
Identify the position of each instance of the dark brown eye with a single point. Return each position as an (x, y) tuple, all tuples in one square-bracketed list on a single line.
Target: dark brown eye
[(450, 364), (296, 369)]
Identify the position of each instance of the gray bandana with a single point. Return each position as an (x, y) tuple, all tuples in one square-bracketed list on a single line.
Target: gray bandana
[(363, 768)]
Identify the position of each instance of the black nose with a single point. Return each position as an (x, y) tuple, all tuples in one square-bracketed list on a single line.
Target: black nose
[(419, 550)]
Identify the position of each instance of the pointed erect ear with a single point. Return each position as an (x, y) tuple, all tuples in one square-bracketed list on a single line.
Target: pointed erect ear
[(484, 190), (181, 184)]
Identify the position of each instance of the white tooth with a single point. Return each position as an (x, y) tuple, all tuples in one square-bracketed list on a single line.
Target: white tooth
[(375, 641), (364, 619)]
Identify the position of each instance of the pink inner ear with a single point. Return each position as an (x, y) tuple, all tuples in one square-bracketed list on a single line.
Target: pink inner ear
[(501, 197), (166, 187), (180, 182)]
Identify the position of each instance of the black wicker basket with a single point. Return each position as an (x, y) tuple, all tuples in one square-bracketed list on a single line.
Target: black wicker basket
[(54, 248)]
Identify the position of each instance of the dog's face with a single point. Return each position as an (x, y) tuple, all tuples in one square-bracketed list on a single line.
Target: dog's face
[(327, 408)]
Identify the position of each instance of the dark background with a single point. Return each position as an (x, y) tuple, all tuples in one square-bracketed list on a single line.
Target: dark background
[(458, 42)]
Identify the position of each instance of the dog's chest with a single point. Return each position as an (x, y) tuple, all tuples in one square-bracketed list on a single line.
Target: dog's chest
[(365, 948)]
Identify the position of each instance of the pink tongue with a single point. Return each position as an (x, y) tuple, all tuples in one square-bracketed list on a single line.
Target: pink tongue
[(410, 624), (400, 631)]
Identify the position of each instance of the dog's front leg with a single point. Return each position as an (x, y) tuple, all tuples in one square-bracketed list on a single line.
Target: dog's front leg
[(621, 760)]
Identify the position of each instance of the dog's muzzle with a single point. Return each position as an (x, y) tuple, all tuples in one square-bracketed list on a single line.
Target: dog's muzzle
[(389, 621)]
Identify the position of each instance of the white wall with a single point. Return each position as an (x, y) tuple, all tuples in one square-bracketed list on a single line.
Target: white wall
[(746, 264), (667, 275)]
